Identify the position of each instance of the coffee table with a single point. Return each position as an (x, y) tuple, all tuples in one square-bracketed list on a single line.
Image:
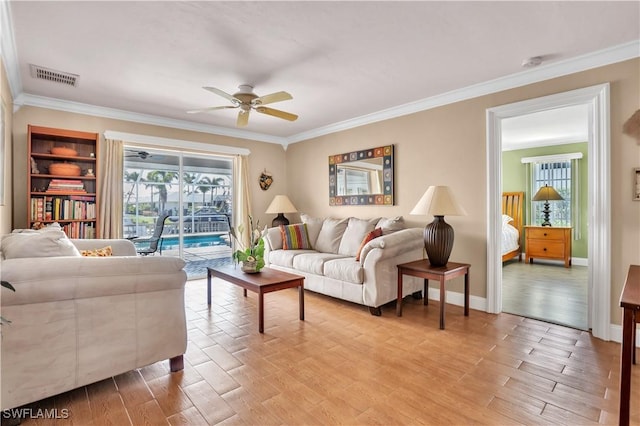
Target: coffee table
[(265, 281)]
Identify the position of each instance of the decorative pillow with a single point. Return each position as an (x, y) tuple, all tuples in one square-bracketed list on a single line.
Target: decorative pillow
[(314, 225), (506, 219), (101, 252), (390, 225), (356, 230), (370, 236), (295, 237), (330, 235), (38, 244)]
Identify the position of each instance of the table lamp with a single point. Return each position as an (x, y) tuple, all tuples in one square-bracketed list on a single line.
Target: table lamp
[(438, 235), (280, 205), (545, 194)]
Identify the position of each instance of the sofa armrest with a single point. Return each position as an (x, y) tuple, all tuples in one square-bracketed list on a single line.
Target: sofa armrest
[(120, 247), (395, 243)]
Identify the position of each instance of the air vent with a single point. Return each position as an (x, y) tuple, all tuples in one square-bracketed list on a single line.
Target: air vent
[(53, 75)]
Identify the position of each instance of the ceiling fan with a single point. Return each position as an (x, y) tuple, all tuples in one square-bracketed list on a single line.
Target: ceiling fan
[(143, 155), (246, 100)]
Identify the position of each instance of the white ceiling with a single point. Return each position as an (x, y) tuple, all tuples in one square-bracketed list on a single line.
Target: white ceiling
[(344, 63)]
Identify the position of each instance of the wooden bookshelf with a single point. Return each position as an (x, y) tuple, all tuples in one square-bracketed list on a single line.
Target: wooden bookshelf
[(69, 195)]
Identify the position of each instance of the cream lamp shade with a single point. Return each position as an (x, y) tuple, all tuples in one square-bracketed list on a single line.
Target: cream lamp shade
[(438, 201), (545, 194), (280, 205)]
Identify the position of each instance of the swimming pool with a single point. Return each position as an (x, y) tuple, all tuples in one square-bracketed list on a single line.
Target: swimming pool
[(170, 242)]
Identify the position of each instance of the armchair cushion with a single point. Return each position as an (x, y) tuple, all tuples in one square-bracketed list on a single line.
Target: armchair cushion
[(37, 244)]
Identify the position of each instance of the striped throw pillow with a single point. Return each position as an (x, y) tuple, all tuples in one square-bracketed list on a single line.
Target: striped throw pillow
[(295, 237)]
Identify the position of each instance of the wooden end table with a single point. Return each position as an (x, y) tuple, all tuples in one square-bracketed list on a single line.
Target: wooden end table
[(423, 269), (630, 303), (265, 281)]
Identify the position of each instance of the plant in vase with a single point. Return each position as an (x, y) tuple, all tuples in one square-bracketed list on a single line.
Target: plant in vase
[(251, 256)]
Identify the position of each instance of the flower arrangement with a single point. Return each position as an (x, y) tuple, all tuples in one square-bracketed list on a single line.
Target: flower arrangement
[(252, 256)]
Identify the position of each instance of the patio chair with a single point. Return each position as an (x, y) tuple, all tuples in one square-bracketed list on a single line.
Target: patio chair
[(154, 241)]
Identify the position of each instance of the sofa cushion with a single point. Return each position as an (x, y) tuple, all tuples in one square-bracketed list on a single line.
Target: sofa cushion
[(330, 235), (345, 269), (295, 237), (314, 225), (273, 237), (370, 236), (37, 244), (285, 257), (391, 224), (356, 230), (313, 262)]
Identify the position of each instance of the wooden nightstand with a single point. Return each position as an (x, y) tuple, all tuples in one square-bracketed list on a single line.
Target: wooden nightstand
[(548, 242)]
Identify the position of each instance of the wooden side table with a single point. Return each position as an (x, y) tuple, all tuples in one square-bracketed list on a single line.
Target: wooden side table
[(423, 269), (630, 303)]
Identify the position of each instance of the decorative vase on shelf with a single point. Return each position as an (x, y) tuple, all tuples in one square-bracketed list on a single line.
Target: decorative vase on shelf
[(249, 266)]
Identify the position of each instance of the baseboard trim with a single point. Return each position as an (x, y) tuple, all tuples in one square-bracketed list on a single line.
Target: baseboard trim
[(480, 304)]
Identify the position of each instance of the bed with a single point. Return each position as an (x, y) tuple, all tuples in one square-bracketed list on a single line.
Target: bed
[(512, 210)]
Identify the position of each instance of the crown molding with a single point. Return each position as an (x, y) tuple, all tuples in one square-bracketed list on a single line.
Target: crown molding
[(591, 60), (118, 114)]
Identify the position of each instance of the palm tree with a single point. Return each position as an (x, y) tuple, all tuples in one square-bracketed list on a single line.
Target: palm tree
[(131, 177), (204, 185), (161, 179)]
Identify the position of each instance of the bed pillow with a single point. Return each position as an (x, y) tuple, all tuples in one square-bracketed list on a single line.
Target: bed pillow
[(38, 244), (370, 236), (295, 237), (506, 219), (101, 252)]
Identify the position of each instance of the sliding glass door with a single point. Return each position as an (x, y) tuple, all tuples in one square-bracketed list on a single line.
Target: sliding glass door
[(194, 190)]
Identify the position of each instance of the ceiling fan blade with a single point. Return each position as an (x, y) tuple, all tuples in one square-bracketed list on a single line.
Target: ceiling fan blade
[(195, 111), (243, 118), (273, 97), (223, 94), (277, 113)]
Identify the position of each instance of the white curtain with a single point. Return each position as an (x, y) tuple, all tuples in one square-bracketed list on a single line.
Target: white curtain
[(242, 199), (111, 191)]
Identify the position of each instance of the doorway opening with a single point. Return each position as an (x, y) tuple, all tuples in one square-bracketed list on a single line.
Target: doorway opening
[(596, 99)]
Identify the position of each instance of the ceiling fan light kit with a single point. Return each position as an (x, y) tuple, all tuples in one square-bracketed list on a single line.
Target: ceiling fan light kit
[(246, 100)]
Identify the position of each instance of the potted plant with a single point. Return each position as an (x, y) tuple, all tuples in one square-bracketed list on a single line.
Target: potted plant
[(251, 256)]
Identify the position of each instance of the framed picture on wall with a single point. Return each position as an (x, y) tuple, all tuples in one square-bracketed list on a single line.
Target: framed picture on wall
[(636, 184)]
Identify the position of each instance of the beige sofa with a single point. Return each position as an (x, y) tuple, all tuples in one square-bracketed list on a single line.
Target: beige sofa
[(330, 266), (77, 320)]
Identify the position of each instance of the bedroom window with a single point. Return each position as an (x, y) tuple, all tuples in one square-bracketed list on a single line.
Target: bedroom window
[(558, 171), (558, 175)]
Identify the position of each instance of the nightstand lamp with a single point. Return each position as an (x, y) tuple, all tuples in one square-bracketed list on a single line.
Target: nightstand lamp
[(545, 194), (438, 235), (280, 205)]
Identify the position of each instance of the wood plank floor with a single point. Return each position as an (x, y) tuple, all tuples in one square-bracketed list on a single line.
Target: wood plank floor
[(548, 292), (344, 366)]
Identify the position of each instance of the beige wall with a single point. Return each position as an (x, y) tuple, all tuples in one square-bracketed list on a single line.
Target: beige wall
[(6, 166), (447, 146), (263, 155)]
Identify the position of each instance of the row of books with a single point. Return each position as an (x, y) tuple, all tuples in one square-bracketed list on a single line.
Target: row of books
[(60, 208), (66, 185), (79, 230)]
